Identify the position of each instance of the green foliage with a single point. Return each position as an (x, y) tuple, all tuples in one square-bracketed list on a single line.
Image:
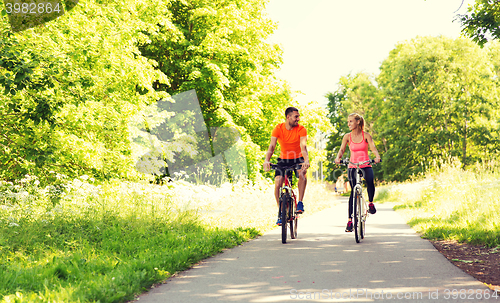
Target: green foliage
[(356, 94), (88, 241), (218, 49), (98, 243), (482, 21), (69, 88), (72, 85), (314, 118), (337, 115), (275, 97), (440, 101), (434, 99)]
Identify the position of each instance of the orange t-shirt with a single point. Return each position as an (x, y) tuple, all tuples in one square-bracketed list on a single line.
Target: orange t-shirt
[(289, 140)]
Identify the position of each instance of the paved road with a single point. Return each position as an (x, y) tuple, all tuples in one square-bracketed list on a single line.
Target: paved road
[(325, 264)]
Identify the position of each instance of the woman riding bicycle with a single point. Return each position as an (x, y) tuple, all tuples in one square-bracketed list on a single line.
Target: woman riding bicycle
[(358, 141)]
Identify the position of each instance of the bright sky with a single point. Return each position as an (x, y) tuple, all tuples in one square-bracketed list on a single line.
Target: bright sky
[(326, 39)]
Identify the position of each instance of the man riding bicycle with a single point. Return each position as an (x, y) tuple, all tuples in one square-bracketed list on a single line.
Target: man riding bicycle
[(292, 138)]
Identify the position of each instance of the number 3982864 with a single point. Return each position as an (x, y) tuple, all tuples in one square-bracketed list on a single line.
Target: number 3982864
[(33, 8)]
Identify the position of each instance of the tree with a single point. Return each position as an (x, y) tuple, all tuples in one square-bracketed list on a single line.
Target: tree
[(440, 95), (218, 48), (356, 94), (337, 115), (482, 21), (72, 85), (314, 118), (69, 88)]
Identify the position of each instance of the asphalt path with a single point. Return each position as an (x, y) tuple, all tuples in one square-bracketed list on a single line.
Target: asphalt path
[(325, 264)]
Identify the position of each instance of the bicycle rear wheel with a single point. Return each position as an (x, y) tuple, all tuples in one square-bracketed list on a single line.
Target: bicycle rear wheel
[(284, 216), (358, 230)]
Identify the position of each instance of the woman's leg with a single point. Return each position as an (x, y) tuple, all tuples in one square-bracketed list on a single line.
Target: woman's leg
[(352, 181), (370, 185)]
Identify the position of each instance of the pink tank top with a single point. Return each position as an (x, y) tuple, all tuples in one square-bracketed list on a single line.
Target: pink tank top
[(359, 151)]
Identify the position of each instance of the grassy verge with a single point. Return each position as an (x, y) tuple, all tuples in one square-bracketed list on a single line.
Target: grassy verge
[(451, 204), (81, 242), (98, 243)]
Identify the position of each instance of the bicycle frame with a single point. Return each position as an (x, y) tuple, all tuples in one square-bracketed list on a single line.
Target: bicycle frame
[(287, 187), (287, 196), (359, 190)]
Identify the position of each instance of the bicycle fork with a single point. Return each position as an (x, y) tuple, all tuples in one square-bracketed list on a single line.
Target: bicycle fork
[(364, 212), (364, 208), (284, 190)]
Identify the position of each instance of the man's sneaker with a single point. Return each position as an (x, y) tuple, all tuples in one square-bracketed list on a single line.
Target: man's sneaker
[(300, 207), (278, 222), (372, 208), (348, 229)]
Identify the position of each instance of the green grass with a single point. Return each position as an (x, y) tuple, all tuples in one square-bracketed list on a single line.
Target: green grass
[(82, 242), (451, 204), (105, 247)]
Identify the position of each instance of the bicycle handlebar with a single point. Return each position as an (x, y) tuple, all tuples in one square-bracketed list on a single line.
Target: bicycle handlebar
[(347, 162), (291, 167)]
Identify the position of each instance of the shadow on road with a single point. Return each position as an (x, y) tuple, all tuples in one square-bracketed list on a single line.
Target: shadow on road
[(323, 264)]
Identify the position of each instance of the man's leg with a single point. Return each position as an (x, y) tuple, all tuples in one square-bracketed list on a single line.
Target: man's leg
[(302, 184), (278, 182), (302, 190)]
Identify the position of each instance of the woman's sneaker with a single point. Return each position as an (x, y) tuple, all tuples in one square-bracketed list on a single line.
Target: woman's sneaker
[(278, 222), (348, 229), (372, 208)]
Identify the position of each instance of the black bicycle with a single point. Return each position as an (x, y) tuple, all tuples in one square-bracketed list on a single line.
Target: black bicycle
[(288, 202)]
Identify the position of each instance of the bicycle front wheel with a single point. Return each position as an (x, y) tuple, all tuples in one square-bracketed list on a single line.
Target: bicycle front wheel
[(363, 218), (358, 229), (284, 216), (293, 220)]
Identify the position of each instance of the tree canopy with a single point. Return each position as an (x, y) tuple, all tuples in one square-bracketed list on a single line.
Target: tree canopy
[(435, 99), (70, 87), (481, 23)]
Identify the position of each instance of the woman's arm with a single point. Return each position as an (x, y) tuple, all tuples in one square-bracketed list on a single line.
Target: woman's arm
[(372, 147), (342, 149)]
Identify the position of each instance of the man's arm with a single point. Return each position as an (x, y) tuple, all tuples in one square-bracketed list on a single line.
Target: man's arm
[(303, 149), (269, 154)]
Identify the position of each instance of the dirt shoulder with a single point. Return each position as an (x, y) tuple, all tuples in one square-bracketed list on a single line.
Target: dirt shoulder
[(483, 263)]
